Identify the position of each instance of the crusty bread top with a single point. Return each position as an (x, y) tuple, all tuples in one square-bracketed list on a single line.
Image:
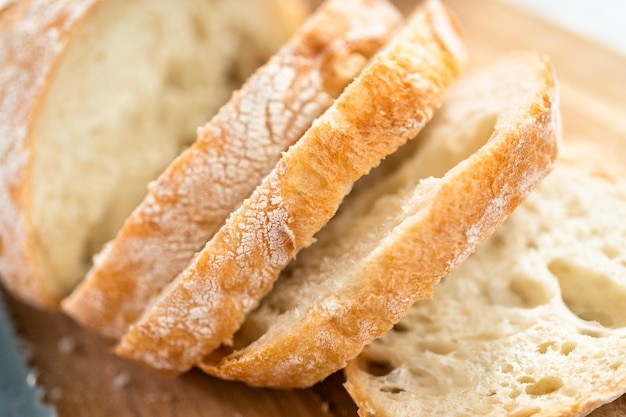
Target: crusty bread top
[(232, 154), (33, 36), (386, 105), (493, 140), (532, 324)]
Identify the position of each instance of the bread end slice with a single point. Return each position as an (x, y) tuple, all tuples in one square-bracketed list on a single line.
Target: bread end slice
[(96, 98)]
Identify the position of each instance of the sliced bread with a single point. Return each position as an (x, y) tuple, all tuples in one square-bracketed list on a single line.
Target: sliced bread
[(532, 324), (96, 98), (232, 154), (386, 105), (493, 140)]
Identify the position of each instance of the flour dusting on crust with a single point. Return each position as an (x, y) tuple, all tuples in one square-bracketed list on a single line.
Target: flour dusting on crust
[(232, 154), (28, 55)]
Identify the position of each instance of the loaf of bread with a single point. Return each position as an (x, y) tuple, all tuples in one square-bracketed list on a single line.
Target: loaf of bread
[(386, 105), (233, 152), (532, 324), (493, 140), (96, 98)]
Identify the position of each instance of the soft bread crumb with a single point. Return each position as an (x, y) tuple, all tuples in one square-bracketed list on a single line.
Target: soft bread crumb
[(131, 130), (97, 98), (532, 323), (233, 152)]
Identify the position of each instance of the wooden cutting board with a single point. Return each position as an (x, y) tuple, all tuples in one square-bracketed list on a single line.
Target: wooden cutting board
[(82, 378)]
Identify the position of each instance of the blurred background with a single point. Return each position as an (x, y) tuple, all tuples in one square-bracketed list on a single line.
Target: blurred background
[(601, 20)]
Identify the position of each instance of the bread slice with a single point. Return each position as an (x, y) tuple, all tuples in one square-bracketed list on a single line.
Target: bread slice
[(234, 151), (386, 105), (532, 324), (493, 140), (96, 98)]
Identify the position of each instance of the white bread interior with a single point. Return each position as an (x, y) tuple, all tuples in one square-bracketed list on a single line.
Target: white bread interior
[(239, 146), (123, 97), (532, 324)]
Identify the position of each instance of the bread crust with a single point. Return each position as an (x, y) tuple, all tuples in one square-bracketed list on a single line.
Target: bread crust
[(450, 220), (34, 38), (482, 191), (34, 35), (233, 152), (386, 105), (552, 331)]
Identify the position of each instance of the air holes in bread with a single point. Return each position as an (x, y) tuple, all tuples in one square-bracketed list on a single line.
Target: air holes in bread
[(430, 383), (544, 347), (399, 327), (611, 252), (199, 27), (515, 392), (552, 346), (545, 385), (593, 331), (526, 412), (377, 367), (392, 390), (589, 294), (526, 379), (175, 76), (520, 291), (439, 347), (529, 293), (507, 368), (568, 347)]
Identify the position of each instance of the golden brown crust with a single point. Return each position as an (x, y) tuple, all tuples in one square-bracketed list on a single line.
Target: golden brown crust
[(34, 38), (474, 198), (388, 104), (233, 152), (568, 221), (496, 180), (34, 35)]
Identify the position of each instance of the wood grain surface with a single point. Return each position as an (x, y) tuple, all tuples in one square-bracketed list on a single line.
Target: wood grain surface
[(81, 376)]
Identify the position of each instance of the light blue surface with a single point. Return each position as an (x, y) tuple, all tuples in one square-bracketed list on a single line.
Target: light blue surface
[(17, 397)]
